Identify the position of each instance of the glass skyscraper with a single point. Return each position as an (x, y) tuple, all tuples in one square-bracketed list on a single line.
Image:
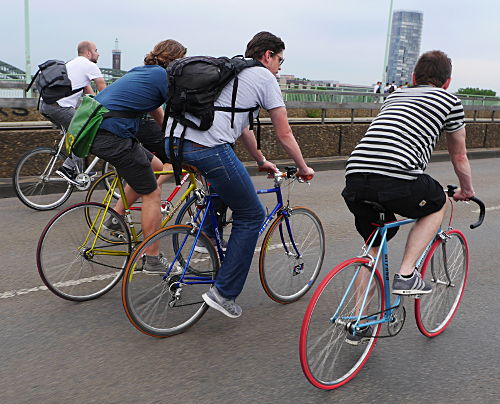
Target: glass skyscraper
[(404, 48)]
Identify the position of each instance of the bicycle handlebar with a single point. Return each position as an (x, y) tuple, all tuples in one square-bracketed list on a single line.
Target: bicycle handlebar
[(482, 209), (291, 171), (482, 212)]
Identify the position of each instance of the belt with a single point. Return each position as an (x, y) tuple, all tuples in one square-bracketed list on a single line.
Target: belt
[(196, 144)]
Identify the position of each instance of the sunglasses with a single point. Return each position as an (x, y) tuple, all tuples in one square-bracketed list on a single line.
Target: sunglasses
[(281, 59)]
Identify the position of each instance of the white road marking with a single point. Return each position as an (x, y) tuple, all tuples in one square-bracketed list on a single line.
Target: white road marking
[(25, 291), (487, 209)]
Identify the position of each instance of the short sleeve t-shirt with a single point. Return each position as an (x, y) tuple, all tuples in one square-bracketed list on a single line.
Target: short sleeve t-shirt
[(144, 88), (400, 140), (81, 72), (256, 86)]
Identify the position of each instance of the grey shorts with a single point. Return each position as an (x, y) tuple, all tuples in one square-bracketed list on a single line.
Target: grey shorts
[(57, 114), (131, 160)]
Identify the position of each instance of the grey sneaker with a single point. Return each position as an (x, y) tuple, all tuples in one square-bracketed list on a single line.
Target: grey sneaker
[(68, 174), (361, 337), (112, 224), (202, 250), (154, 264), (410, 286), (220, 303)]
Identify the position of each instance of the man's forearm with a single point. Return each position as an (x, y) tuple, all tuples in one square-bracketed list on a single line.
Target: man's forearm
[(250, 144), (458, 155), (158, 115), (463, 171), (287, 140)]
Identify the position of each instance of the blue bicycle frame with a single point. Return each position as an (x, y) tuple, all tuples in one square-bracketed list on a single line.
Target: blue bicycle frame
[(279, 207), (371, 319)]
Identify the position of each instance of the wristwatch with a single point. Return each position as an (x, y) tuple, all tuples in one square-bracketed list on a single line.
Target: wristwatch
[(261, 163)]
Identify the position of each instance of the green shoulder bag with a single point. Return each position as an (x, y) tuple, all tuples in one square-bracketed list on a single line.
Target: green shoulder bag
[(84, 126)]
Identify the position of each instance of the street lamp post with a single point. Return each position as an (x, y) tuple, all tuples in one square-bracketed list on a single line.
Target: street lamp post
[(387, 42), (27, 57)]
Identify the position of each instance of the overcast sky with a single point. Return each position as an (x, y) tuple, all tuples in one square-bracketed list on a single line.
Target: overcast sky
[(325, 39)]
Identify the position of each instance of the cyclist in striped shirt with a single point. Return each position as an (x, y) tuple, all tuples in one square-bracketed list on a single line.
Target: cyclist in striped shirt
[(387, 166)]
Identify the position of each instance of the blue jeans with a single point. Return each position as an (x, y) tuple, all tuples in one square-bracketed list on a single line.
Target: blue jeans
[(229, 179)]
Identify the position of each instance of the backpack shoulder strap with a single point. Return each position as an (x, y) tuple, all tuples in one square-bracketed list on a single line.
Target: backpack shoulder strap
[(32, 80)]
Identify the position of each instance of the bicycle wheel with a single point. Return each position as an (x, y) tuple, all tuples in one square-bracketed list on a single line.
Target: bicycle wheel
[(108, 168), (162, 306), (188, 211), (35, 180), (445, 268), (100, 187), (74, 258), (327, 360), (287, 273)]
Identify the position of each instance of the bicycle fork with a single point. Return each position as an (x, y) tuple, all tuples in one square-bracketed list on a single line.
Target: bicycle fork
[(444, 237)]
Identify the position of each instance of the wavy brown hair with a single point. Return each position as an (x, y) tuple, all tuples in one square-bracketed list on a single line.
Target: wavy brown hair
[(165, 52)]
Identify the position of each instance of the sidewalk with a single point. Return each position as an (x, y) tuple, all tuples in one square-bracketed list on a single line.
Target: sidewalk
[(317, 163)]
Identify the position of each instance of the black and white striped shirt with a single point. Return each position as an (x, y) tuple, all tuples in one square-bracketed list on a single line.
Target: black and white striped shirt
[(400, 140)]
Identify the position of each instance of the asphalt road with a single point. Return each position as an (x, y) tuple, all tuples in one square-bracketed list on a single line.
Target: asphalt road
[(55, 351)]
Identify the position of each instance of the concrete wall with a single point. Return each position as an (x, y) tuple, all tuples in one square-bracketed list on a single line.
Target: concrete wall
[(315, 141)]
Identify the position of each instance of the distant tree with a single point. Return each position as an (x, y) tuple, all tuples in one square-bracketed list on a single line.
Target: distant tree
[(313, 113), (476, 91)]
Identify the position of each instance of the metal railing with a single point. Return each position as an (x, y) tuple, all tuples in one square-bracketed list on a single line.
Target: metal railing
[(336, 95), (340, 97)]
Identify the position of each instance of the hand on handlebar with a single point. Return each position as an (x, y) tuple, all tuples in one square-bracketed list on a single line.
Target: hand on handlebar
[(307, 174), (462, 195), (269, 167)]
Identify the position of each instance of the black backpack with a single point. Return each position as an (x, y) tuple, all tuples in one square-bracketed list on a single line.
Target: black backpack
[(195, 83), (52, 81)]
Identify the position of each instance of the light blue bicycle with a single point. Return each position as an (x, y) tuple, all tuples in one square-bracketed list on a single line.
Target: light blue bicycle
[(354, 299)]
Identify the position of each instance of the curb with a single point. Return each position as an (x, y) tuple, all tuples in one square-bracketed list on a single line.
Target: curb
[(316, 163)]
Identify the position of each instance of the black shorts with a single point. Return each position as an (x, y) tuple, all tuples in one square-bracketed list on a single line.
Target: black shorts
[(131, 160), (409, 198)]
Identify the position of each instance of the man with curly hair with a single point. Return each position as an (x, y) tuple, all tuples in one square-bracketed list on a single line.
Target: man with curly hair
[(142, 89)]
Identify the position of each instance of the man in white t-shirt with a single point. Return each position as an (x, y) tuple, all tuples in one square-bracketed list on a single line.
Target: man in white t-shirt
[(81, 71), (211, 153)]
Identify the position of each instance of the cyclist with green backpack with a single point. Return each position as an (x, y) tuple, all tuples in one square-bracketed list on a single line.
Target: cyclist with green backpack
[(203, 139), (143, 89)]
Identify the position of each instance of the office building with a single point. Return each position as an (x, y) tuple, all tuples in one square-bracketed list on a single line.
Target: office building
[(404, 48)]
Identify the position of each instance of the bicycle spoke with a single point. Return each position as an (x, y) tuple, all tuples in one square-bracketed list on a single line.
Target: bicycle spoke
[(285, 275), (447, 262), (328, 360), (70, 265)]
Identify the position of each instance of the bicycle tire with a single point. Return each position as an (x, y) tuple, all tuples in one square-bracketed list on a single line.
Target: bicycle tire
[(35, 182), (434, 312), (100, 187), (147, 299), (284, 276), (188, 211), (107, 169), (327, 361), (67, 262)]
